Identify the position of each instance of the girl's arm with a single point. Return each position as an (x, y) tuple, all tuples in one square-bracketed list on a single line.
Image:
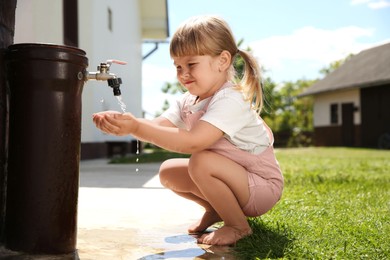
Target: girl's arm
[(161, 121), (160, 131)]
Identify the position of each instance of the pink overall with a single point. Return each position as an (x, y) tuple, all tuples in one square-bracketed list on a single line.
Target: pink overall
[(264, 175)]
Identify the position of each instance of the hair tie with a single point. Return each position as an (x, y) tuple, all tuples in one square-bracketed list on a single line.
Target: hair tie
[(238, 50)]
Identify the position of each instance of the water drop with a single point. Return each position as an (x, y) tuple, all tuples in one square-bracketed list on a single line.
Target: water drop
[(137, 153)]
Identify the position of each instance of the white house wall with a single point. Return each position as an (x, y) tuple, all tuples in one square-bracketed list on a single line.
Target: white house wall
[(38, 21), (42, 21), (322, 106), (122, 43)]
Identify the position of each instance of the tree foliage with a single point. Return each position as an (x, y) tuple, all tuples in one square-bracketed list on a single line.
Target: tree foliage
[(290, 117), (334, 65)]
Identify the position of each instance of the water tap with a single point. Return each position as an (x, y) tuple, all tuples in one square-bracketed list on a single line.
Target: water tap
[(104, 74)]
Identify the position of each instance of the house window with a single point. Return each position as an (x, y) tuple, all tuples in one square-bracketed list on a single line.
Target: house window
[(109, 15), (334, 113), (71, 23)]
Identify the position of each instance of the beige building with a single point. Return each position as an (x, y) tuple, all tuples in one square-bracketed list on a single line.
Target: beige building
[(351, 104)]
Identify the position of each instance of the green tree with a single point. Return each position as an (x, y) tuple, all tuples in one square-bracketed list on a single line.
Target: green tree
[(272, 102), (298, 116), (290, 117), (334, 65), (170, 88)]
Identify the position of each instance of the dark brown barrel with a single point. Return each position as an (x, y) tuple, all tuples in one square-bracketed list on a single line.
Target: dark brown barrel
[(46, 83)]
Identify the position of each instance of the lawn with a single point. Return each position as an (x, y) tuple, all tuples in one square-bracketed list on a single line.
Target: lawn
[(335, 205)]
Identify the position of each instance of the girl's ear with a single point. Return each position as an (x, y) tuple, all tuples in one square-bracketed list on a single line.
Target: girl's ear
[(224, 60)]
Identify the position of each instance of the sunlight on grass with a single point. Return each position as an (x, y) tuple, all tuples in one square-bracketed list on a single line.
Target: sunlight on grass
[(335, 206)]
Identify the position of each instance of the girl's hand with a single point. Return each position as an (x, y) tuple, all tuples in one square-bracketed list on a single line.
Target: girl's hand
[(115, 123)]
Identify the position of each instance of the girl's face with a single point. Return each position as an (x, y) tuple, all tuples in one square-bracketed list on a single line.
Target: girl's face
[(200, 75)]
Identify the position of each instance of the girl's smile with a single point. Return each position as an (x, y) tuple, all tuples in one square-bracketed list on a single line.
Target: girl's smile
[(188, 82)]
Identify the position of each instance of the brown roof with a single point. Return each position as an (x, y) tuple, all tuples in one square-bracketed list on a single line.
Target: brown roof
[(369, 68)]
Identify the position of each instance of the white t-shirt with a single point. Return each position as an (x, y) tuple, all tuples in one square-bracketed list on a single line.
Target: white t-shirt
[(229, 112)]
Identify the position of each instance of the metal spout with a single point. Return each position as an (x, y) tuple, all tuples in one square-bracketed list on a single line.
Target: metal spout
[(104, 74), (115, 84)]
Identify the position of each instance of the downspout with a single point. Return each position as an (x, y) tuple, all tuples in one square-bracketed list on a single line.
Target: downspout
[(151, 51), (154, 49)]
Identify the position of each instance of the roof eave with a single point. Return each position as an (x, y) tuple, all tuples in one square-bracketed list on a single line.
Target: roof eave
[(343, 88)]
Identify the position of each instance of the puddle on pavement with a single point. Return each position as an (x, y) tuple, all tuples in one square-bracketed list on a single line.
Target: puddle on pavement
[(185, 247), (128, 244)]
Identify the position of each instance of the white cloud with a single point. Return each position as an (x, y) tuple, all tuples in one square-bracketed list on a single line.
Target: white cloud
[(373, 4), (379, 4), (308, 48), (358, 2)]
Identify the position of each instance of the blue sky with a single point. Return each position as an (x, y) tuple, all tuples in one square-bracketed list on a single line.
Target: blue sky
[(292, 39)]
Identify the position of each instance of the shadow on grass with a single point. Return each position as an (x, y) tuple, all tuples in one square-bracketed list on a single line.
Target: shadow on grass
[(269, 240)]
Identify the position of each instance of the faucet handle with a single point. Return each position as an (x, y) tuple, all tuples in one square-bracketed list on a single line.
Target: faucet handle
[(109, 62)]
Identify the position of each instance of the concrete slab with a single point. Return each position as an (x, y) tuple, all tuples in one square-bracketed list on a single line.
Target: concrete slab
[(125, 213)]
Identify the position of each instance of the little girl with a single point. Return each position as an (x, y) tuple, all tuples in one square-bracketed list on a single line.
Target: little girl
[(232, 171)]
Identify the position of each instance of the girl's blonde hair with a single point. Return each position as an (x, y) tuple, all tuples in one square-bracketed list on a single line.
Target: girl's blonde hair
[(210, 35)]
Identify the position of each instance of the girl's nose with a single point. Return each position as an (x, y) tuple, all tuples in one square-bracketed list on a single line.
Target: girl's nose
[(184, 74)]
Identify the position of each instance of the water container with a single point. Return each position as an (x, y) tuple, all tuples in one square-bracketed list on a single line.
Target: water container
[(46, 83)]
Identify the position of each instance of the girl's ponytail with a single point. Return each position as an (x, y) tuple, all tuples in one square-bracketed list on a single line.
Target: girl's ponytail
[(250, 83)]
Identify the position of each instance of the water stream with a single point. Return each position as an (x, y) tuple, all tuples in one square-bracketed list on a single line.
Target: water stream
[(121, 103), (123, 107)]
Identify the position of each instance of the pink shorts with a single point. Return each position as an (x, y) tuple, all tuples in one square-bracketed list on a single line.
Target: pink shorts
[(263, 195), (265, 178), (265, 186)]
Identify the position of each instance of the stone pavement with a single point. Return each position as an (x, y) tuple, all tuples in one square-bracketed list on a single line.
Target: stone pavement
[(124, 213)]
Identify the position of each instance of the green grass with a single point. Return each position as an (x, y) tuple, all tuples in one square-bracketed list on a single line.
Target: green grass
[(335, 205)]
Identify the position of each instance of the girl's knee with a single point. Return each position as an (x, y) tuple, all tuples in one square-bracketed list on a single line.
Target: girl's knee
[(165, 174), (173, 173), (198, 164)]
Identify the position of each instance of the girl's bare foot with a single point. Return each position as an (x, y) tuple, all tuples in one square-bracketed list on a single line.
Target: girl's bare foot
[(225, 236), (209, 218)]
